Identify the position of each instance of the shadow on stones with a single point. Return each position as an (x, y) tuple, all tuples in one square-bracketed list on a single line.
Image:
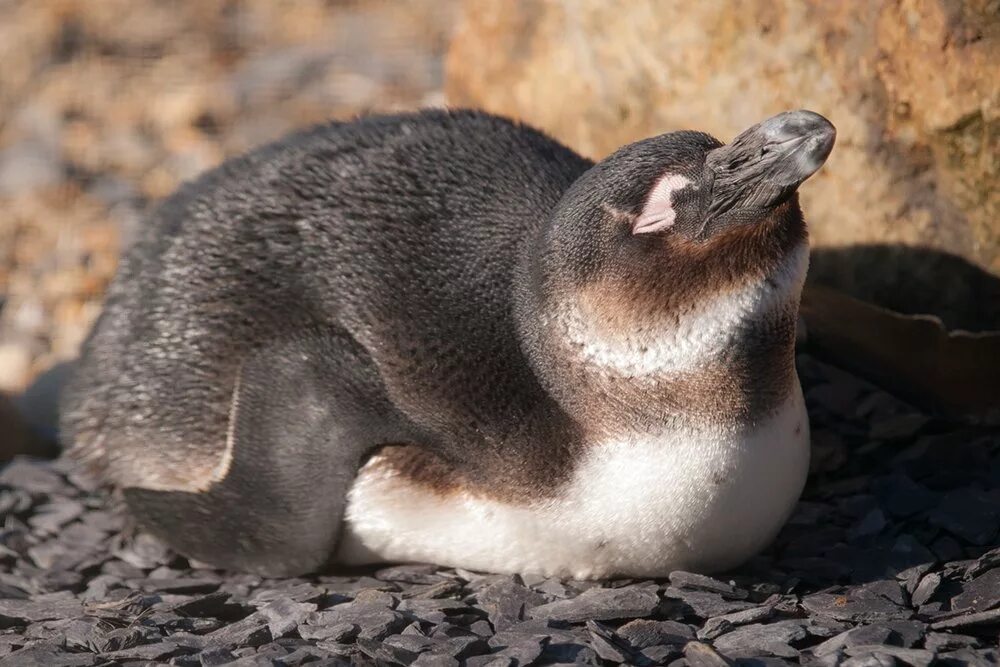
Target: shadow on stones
[(913, 281)]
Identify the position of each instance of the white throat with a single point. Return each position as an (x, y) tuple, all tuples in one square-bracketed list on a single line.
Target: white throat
[(696, 337)]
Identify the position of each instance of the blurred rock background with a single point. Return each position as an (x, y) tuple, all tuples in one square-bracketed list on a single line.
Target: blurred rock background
[(107, 105)]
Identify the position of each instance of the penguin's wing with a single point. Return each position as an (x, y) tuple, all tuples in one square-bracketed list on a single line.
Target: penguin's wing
[(296, 440)]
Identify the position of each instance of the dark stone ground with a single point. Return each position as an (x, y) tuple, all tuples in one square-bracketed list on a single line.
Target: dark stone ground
[(892, 557)]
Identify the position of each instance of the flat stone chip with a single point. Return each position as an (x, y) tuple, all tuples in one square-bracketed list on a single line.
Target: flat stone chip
[(703, 655), (970, 514), (41, 608), (373, 622), (720, 625), (284, 616), (908, 656), (762, 639), (508, 602), (969, 621), (41, 479), (846, 607), (644, 633), (438, 660), (980, 594), (699, 582), (706, 604), (601, 604)]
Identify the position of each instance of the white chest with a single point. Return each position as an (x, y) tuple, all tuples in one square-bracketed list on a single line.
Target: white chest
[(703, 499)]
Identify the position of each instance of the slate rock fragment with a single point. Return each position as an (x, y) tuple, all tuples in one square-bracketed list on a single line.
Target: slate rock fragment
[(760, 639), (124, 638), (601, 604), (420, 573), (661, 655), (553, 588), (374, 621), (339, 633), (987, 561), (76, 633), (908, 656), (925, 589), (144, 652), (719, 625), (211, 604), (816, 570), (181, 585), (296, 592), (980, 594), (643, 633), (698, 654), (437, 660), (41, 608), (947, 641), (969, 658), (52, 516), (524, 650), (35, 477), (700, 582), (873, 523), (411, 642), (443, 589), (283, 616), (902, 497), (912, 576), (607, 645), (482, 628), (212, 657), (905, 634), (898, 427), (990, 617), (460, 648), (386, 653), (705, 604), (47, 655), (250, 631), (871, 659), (508, 602), (968, 513), (851, 607)]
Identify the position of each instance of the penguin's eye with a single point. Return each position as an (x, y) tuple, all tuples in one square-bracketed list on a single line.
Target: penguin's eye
[(686, 197), (689, 209)]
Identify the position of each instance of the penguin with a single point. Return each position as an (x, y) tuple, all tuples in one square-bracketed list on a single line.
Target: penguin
[(443, 336)]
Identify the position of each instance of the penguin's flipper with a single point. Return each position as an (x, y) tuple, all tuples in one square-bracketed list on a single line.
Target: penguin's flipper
[(277, 499)]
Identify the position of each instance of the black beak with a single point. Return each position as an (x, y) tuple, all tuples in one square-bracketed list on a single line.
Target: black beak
[(764, 165)]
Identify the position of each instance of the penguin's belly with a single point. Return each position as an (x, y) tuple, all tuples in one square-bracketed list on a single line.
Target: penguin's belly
[(701, 499)]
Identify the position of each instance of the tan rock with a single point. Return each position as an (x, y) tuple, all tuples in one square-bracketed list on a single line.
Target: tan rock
[(107, 106), (912, 86)]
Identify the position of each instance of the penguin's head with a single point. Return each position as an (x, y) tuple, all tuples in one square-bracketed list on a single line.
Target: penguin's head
[(675, 249), (683, 204)]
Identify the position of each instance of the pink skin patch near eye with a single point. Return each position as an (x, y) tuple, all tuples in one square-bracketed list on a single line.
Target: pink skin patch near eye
[(659, 213)]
